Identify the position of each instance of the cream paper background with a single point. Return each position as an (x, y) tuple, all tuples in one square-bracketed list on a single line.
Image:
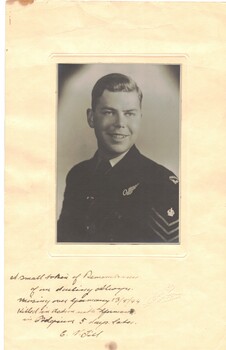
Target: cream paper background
[(192, 34)]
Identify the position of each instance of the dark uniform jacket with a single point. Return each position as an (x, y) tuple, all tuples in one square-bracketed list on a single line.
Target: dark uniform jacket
[(134, 201)]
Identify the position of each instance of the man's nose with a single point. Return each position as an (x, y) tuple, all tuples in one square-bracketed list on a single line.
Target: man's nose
[(120, 120)]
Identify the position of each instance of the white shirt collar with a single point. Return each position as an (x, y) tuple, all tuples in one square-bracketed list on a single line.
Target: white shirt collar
[(115, 160)]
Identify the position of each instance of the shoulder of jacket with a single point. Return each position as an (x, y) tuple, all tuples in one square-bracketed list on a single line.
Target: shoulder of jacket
[(78, 169), (156, 172)]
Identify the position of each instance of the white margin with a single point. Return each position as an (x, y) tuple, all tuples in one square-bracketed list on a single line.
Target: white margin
[(2, 126)]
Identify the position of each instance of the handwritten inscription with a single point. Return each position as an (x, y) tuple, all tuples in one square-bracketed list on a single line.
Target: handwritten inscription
[(81, 305)]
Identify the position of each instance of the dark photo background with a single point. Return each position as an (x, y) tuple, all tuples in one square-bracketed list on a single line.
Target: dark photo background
[(159, 134)]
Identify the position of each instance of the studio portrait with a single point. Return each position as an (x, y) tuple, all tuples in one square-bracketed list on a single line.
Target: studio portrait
[(118, 138)]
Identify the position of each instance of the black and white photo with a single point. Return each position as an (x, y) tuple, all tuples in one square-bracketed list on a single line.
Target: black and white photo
[(118, 153)]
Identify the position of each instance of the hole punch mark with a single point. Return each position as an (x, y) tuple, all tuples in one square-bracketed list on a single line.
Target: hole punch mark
[(111, 346)]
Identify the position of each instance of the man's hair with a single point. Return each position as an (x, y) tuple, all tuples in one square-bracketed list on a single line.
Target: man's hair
[(114, 82)]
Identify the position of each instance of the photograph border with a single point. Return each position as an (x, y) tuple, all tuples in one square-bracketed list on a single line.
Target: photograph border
[(87, 248)]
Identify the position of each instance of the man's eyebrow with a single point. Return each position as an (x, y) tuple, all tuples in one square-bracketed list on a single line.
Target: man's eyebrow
[(109, 108), (114, 109), (130, 110)]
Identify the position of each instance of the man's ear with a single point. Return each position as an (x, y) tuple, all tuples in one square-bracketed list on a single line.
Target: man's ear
[(90, 119)]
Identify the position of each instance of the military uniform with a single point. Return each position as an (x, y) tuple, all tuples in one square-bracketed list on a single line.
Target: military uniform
[(134, 201)]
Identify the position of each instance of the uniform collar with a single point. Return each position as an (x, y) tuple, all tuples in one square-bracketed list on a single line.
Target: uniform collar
[(115, 160), (130, 154), (124, 160)]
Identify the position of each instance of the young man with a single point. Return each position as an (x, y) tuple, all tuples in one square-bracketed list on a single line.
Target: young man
[(119, 195)]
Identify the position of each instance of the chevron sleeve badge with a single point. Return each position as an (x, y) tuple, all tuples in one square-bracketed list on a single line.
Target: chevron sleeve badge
[(165, 224)]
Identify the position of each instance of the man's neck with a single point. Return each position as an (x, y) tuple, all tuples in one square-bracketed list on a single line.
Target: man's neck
[(113, 160)]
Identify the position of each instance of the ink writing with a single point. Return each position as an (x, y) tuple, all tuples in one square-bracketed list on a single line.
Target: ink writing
[(84, 304)]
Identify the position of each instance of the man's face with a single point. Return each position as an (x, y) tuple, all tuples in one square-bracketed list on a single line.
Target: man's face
[(116, 121)]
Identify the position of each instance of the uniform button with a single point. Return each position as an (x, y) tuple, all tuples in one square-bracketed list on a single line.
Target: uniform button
[(90, 198), (90, 227), (118, 215)]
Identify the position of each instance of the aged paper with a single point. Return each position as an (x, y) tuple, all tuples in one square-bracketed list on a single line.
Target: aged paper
[(113, 296)]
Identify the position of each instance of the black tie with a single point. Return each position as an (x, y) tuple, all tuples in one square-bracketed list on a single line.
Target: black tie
[(103, 168)]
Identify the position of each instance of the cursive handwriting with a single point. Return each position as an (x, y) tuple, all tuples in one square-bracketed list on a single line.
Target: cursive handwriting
[(79, 305)]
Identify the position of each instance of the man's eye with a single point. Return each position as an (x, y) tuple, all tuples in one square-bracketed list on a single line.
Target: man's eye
[(108, 113), (129, 114)]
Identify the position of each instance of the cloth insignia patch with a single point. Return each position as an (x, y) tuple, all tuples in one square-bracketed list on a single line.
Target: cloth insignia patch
[(170, 212), (174, 179), (163, 226), (129, 191)]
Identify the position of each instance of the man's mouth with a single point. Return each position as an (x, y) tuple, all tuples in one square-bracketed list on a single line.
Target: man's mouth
[(117, 136)]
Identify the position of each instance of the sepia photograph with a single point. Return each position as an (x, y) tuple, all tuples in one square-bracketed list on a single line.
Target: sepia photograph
[(118, 153)]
